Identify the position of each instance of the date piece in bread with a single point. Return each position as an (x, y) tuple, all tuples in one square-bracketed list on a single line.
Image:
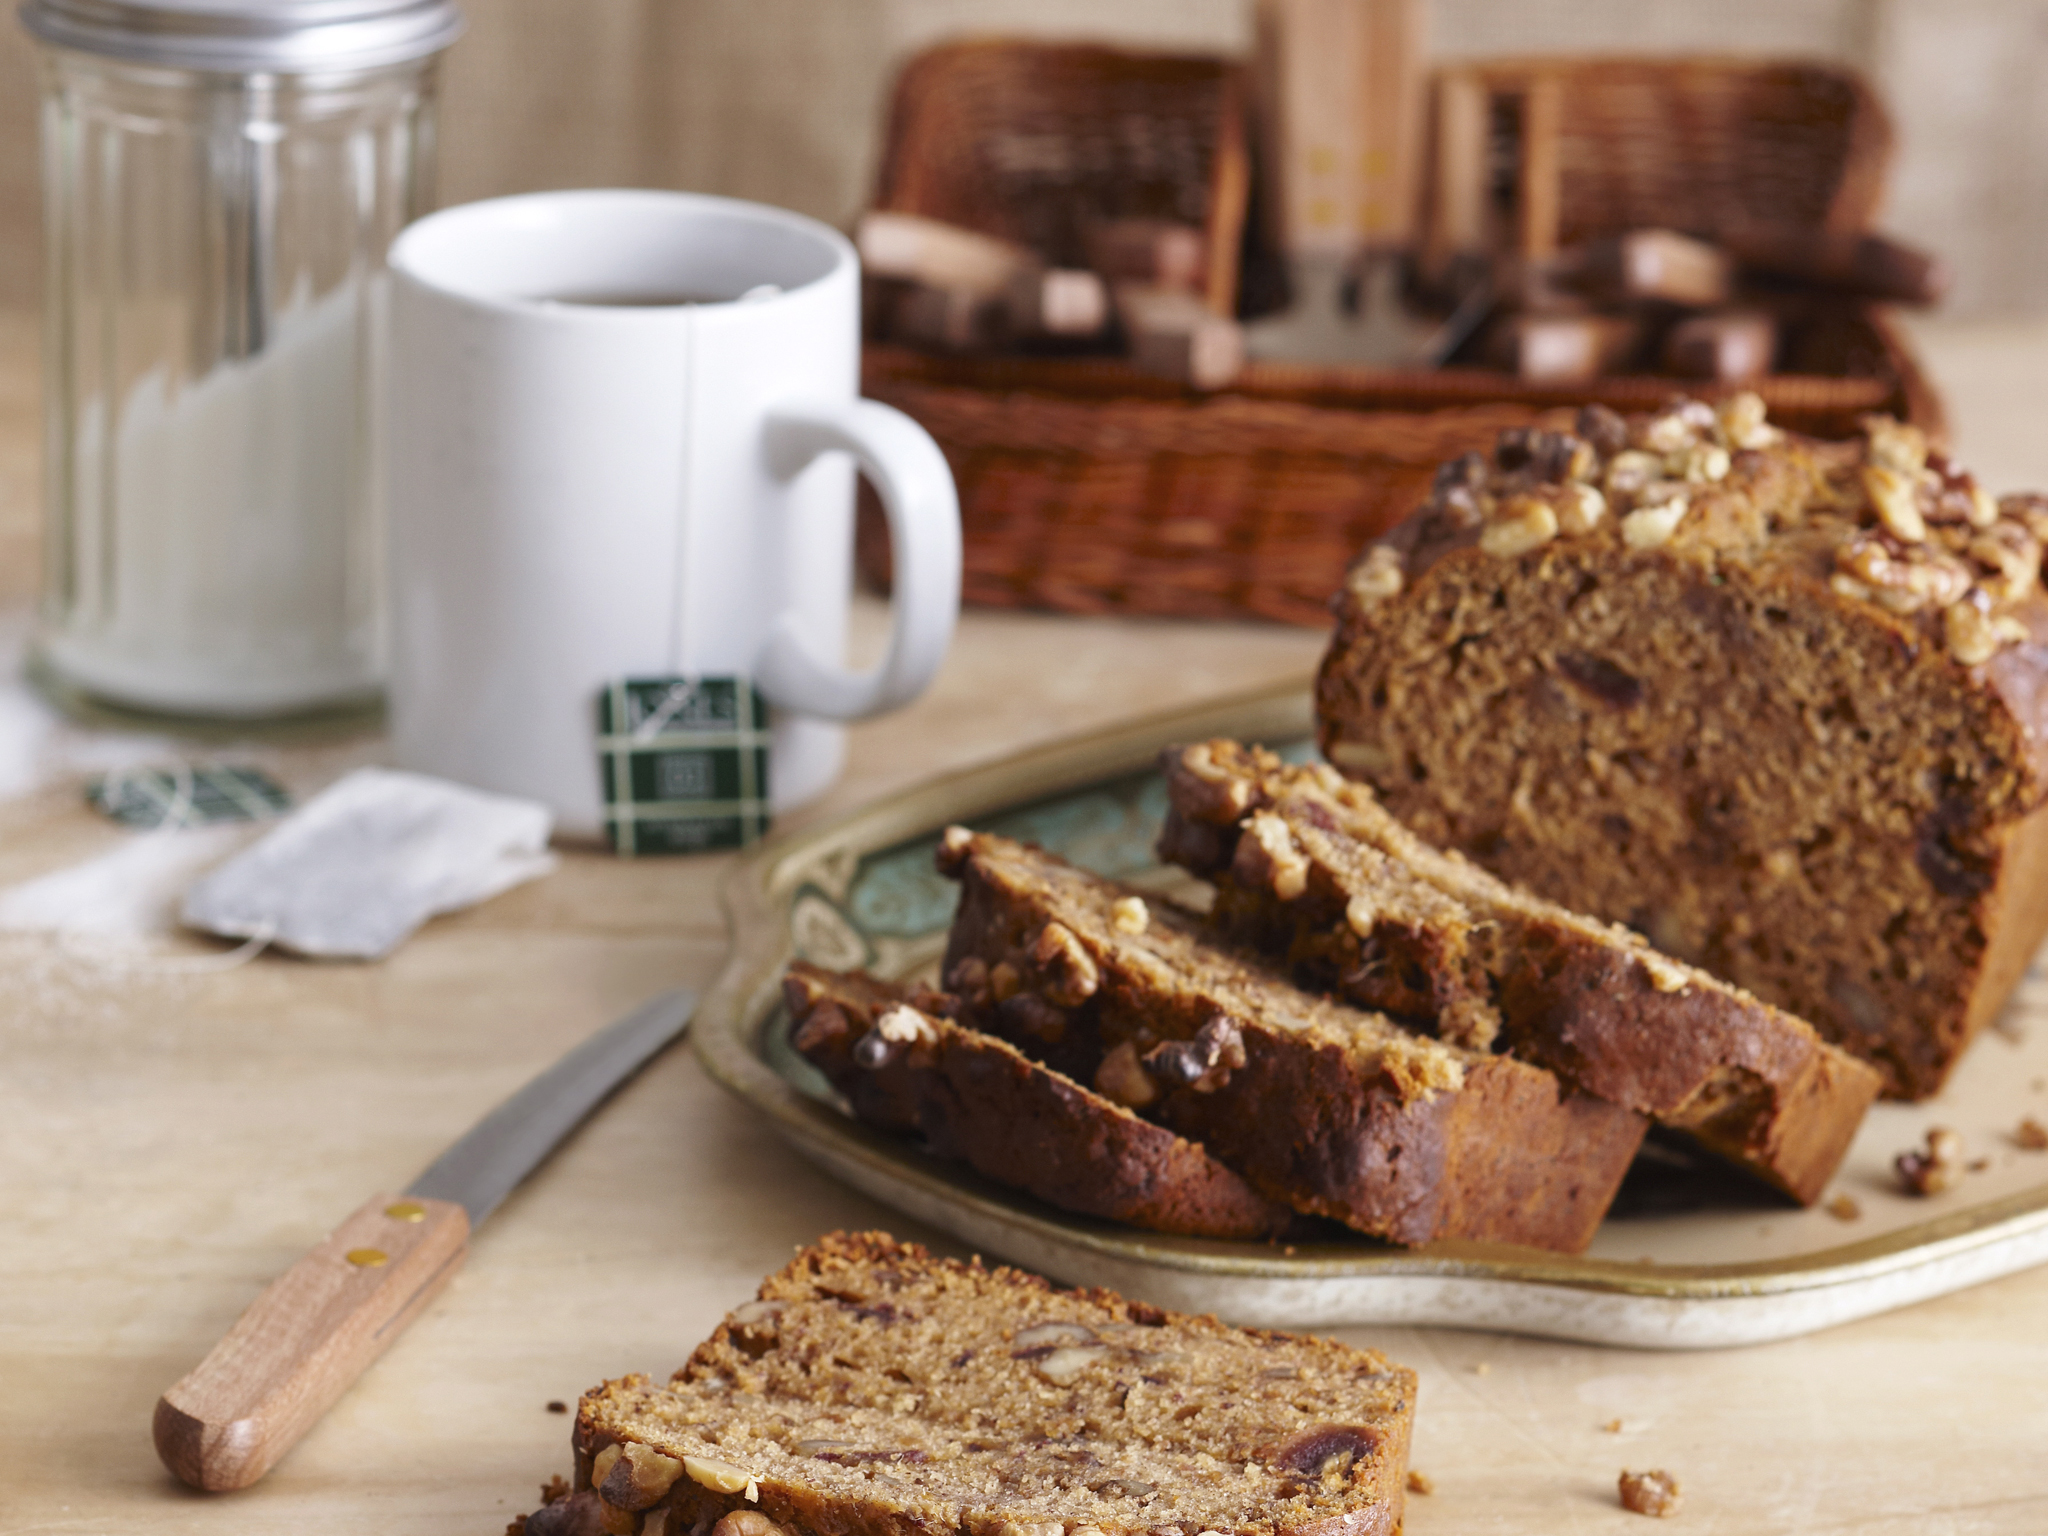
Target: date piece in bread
[(1779, 705), (906, 1066), (1336, 1111), (873, 1390), (1311, 870)]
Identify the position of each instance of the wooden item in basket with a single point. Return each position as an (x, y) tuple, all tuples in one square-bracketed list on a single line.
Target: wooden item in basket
[(1038, 143), (1088, 487)]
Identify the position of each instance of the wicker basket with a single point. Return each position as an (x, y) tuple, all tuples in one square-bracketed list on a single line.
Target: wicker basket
[(1032, 142), (1708, 146), (1088, 487)]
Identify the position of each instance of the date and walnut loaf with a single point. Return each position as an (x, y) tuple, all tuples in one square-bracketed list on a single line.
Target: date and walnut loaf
[(1310, 869), (873, 1390), (906, 1066), (1777, 704), (1331, 1109)]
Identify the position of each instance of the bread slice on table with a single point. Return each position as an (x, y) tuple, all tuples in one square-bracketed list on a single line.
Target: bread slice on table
[(906, 1066), (1336, 1111), (873, 1390), (1780, 705), (1311, 870)]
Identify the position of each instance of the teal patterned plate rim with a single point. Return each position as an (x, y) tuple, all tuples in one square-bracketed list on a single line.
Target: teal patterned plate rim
[(861, 891)]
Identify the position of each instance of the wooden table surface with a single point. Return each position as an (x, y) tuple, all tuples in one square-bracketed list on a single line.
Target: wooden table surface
[(170, 1140)]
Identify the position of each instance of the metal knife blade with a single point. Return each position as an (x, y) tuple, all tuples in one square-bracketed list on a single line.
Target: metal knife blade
[(501, 1149), (320, 1324)]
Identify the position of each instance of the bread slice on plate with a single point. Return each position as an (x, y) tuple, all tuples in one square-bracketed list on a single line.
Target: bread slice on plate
[(1780, 705), (873, 1390), (906, 1066), (1311, 870), (1336, 1111)]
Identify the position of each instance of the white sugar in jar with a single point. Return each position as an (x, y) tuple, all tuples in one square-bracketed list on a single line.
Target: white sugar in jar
[(221, 181)]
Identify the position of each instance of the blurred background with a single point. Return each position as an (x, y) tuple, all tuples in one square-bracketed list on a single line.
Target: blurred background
[(781, 100)]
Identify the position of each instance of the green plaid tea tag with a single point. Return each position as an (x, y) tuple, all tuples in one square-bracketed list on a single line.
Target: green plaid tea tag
[(685, 763), (164, 799)]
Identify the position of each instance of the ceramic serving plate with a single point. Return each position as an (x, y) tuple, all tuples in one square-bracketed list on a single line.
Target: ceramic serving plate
[(1692, 1257)]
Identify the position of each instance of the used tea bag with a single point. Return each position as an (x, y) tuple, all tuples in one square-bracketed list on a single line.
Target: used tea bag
[(355, 870)]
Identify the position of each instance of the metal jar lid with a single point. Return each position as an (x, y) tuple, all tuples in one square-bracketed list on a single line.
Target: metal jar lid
[(249, 36)]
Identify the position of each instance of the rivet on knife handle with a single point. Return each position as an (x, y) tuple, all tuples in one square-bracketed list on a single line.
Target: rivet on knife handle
[(311, 1333)]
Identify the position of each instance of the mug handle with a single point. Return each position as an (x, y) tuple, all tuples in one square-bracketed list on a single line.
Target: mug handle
[(916, 487)]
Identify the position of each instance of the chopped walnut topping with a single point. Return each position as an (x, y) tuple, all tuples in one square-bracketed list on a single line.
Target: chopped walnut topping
[(1894, 445), (1203, 1063), (1665, 976), (1579, 509), (1902, 578), (1524, 523), (1004, 981), (1629, 472), (1742, 421), (1378, 576), (1123, 1078), (1650, 1493), (1652, 527), (1129, 915), (903, 1026), (1361, 916), (1967, 628), (718, 1476), (1266, 855), (1667, 433), (1915, 534), (1068, 972), (1896, 499), (953, 846), (1701, 464), (2011, 557), (640, 1478)]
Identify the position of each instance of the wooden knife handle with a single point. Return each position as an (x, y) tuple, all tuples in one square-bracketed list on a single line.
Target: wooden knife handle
[(312, 1332)]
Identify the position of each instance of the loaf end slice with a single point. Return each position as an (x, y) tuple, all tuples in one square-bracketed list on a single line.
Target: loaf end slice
[(906, 1066), (1312, 870), (873, 1390), (1336, 1111), (1780, 705)]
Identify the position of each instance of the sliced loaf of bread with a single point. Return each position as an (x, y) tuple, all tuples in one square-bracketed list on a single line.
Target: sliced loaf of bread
[(1333, 1110), (873, 1390), (1311, 870), (906, 1066)]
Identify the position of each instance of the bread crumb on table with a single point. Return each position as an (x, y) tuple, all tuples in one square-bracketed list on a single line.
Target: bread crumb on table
[(1482, 1368), (1612, 1426), (2032, 1136), (1650, 1493), (1421, 1482), (1935, 1166), (1843, 1208)]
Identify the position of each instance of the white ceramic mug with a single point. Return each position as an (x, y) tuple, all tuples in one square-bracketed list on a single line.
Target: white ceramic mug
[(621, 435)]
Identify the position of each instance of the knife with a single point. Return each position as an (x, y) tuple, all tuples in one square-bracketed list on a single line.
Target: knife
[(317, 1327)]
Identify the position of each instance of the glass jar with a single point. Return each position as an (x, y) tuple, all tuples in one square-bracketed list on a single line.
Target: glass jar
[(221, 180)]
